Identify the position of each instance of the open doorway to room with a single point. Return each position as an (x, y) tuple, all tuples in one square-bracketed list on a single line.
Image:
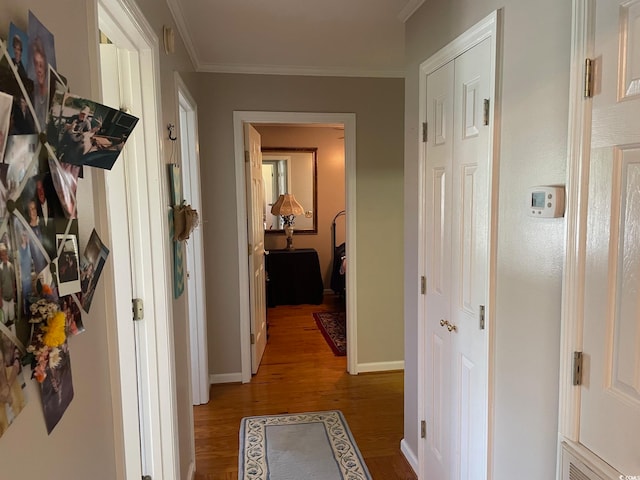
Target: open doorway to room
[(281, 134)]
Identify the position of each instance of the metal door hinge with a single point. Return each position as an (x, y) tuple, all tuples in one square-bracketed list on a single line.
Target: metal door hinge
[(253, 339), (146, 477), (486, 111), (577, 368), (425, 131), (138, 308), (423, 284), (247, 156), (423, 429), (250, 249), (588, 78), (481, 315)]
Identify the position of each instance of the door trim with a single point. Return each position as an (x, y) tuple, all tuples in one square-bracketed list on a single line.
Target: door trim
[(578, 156), (197, 320), (490, 27), (349, 122), (126, 25)]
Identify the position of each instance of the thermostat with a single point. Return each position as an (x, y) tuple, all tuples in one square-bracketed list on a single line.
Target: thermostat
[(546, 202)]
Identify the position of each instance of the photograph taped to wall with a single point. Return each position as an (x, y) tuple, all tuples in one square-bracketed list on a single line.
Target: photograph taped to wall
[(71, 308), (12, 385), (20, 162), (14, 81), (84, 132), (6, 104), (91, 264), (7, 279), (41, 54), (67, 265), (57, 389)]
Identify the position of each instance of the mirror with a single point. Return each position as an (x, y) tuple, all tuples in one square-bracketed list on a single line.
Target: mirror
[(290, 170)]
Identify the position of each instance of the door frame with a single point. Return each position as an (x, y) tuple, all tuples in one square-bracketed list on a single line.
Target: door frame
[(125, 24), (490, 27), (349, 122), (197, 320)]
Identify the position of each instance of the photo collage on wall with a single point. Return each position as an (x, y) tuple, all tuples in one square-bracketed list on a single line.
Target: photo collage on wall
[(47, 137)]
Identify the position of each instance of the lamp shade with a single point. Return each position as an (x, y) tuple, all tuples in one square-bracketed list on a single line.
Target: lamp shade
[(287, 205)]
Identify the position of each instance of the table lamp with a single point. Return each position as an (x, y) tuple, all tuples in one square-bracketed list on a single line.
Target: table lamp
[(287, 207)]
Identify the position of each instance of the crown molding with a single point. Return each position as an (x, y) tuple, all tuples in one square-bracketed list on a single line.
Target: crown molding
[(409, 9)]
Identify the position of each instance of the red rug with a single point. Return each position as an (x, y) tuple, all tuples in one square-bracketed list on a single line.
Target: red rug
[(333, 326)]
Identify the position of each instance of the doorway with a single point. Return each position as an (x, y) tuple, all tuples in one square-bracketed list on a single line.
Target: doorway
[(347, 121), (142, 351)]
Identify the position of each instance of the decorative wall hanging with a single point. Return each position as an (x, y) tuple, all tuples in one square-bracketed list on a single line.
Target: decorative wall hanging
[(175, 177), (47, 136)]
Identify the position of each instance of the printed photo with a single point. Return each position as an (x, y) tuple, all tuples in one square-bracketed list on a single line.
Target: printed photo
[(21, 162), (83, 132), (6, 104), (91, 264), (71, 308), (57, 388), (12, 384), (16, 46), (67, 265), (41, 55)]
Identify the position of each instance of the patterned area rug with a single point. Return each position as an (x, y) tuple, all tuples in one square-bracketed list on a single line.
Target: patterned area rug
[(333, 326), (309, 446)]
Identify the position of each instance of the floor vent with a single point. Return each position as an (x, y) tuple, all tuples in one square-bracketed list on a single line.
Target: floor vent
[(573, 468)]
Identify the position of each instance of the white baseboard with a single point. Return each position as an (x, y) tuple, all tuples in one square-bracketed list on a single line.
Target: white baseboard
[(225, 378), (409, 455), (380, 366)]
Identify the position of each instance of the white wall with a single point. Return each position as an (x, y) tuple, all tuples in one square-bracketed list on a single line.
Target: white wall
[(533, 122)]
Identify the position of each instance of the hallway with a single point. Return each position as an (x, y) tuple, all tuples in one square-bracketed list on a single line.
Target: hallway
[(299, 373)]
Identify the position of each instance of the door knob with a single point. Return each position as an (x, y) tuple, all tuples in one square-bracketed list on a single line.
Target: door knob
[(452, 328), (444, 322)]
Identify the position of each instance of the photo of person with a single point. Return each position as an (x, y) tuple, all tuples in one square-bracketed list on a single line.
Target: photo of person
[(7, 286), (41, 55), (67, 267), (83, 132), (12, 385), (16, 48), (73, 315), (91, 264), (25, 265), (57, 388)]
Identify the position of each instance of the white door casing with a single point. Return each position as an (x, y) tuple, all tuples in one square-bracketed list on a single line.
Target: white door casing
[(188, 137), (255, 233), (458, 198), (133, 189), (346, 120), (601, 312)]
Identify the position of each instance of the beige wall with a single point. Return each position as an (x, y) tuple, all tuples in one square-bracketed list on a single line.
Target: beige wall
[(533, 124), (330, 186), (378, 105), (83, 443)]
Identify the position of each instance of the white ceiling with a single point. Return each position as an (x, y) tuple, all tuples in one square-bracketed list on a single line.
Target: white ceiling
[(295, 37)]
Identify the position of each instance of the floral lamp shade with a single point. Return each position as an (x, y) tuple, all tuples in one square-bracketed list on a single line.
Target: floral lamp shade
[(287, 207)]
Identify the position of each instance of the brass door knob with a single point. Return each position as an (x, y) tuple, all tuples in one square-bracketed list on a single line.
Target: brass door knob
[(452, 328), (443, 322)]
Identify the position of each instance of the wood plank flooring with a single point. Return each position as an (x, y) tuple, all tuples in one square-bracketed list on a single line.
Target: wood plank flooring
[(299, 373)]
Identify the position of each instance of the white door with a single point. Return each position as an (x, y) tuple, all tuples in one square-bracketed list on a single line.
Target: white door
[(457, 228), (610, 396), (255, 235), (439, 155), (194, 248)]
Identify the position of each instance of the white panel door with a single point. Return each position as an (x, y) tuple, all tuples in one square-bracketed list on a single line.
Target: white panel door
[(610, 396), (470, 271), (437, 175), (457, 238), (255, 234)]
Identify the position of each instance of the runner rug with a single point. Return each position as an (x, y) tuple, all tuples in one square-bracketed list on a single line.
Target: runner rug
[(303, 446), (333, 326)]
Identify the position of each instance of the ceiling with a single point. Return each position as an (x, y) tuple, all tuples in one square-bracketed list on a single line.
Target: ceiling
[(295, 37)]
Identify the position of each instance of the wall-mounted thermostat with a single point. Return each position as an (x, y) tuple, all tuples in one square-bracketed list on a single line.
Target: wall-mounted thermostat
[(546, 202)]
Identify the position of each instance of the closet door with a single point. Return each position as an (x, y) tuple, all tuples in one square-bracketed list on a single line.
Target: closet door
[(457, 160)]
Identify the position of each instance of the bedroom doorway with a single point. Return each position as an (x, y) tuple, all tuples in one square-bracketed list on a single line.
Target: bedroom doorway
[(341, 125)]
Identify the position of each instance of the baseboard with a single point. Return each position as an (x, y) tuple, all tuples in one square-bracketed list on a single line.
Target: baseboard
[(225, 378), (409, 455), (380, 366)]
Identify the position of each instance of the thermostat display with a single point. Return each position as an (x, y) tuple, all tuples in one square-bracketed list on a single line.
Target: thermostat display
[(546, 202)]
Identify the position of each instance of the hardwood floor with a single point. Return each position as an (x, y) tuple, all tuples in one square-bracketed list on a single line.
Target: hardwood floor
[(299, 373)]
